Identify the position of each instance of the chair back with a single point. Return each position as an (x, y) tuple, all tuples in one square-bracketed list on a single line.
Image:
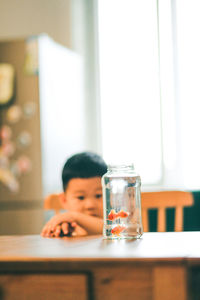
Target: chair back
[(53, 202), (161, 201)]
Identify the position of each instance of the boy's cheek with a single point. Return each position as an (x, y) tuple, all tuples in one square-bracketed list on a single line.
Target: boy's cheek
[(73, 204), (101, 211), (77, 206)]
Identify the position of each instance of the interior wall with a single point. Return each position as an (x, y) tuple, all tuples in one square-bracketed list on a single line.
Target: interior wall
[(22, 18), (19, 19), (65, 21)]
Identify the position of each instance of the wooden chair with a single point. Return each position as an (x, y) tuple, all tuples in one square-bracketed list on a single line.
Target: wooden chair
[(53, 202), (161, 201)]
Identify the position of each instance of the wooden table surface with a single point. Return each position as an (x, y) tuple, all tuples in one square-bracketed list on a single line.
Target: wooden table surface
[(152, 246), (157, 266)]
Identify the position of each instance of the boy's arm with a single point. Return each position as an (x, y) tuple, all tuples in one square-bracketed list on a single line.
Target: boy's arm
[(93, 225)]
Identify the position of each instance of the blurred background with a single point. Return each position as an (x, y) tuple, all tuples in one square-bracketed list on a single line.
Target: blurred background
[(120, 78)]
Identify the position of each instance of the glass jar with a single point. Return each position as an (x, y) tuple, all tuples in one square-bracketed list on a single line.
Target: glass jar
[(122, 203)]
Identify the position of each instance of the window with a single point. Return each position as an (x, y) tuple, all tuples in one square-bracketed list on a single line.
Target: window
[(149, 84), (179, 25), (129, 85), (149, 65)]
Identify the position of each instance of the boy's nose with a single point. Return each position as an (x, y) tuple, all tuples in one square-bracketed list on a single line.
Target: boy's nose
[(90, 204)]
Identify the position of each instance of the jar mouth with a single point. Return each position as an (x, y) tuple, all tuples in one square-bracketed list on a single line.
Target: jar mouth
[(112, 167)]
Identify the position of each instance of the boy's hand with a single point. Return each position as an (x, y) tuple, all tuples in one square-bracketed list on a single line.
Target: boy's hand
[(64, 229), (88, 224), (58, 223), (68, 230)]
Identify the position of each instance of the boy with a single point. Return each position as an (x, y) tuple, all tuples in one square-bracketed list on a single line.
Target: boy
[(82, 197)]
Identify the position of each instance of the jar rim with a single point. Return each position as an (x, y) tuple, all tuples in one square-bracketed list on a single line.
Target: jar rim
[(121, 166)]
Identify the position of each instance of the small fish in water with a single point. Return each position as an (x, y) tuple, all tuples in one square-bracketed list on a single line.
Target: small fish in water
[(112, 215), (118, 229), (122, 214)]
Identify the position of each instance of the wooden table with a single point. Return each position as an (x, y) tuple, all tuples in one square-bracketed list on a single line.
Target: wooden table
[(160, 266)]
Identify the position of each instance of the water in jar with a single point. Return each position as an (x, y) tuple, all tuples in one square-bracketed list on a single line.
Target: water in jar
[(122, 203)]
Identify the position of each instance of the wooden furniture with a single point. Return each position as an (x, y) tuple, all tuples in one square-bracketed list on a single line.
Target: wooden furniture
[(158, 266), (161, 201), (53, 201)]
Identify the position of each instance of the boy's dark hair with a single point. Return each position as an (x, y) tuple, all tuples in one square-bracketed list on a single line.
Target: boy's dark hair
[(83, 165)]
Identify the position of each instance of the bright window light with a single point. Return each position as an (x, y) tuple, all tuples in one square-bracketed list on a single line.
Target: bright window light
[(188, 49), (129, 85), (179, 25)]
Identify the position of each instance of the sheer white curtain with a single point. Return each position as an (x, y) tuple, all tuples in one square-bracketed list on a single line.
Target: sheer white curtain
[(150, 93), (179, 26), (149, 85), (129, 85), (188, 48)]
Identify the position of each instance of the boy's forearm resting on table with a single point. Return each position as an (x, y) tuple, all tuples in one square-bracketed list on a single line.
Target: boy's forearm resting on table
[(93, 225)]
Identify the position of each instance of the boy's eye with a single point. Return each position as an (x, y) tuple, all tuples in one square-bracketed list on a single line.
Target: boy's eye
[(81, 197), (98, 196)]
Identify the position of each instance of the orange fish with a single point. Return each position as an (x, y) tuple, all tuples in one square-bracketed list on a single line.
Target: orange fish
[(112, 215), (122, 214), (118, 229)]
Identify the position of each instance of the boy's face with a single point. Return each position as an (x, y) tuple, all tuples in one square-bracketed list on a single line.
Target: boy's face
[(84, 195)]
